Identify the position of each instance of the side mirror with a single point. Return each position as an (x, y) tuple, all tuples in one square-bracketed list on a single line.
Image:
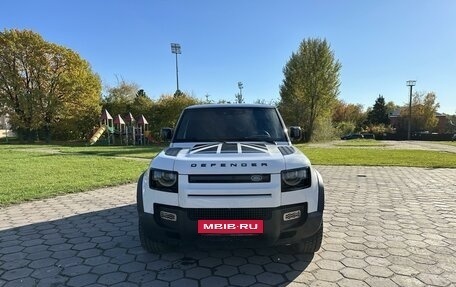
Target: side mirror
[(295, 133), (167, 133)]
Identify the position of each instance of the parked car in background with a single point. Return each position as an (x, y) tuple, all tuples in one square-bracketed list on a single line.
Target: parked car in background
[(368, 136), (352, 136)]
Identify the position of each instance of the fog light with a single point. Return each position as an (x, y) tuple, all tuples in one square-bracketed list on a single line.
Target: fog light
[(292, 215), (168, 216)]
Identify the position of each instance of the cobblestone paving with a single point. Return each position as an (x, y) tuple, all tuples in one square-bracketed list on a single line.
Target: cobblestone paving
[(384, 226)]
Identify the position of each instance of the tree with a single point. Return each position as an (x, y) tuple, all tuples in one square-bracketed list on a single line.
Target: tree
[(167, 110), (310, 86), (142, 104), (44, 86), (379, 112), (347, 118), (127, 98), (121, 97), (141, 93), (223, 101), (349, 113), (424, 109), (391, 107), (178, 93)]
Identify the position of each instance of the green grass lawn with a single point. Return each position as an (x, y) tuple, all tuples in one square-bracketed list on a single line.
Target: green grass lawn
[(38, 171), (379, 157)]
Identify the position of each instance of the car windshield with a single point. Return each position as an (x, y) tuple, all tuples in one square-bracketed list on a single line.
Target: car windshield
[(230, 124)]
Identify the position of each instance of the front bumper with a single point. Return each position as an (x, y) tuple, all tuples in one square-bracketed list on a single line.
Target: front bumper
[(276, 230)]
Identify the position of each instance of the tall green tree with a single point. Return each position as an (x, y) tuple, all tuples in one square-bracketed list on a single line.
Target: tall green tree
[(45, 87), (424, 109), (121, 97), (310, 86), (379, 112)]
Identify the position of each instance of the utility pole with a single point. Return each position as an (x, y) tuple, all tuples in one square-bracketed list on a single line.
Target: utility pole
[(410, 83), (176, 49)]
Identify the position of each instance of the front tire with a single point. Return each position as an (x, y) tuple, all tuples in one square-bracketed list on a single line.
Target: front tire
[(150, 245), (311, 244)]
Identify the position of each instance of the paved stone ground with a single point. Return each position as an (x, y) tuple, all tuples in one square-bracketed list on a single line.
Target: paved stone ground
[(384, 226)]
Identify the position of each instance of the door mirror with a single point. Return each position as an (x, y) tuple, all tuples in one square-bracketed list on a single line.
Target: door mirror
[(295, 133), (166, 134)]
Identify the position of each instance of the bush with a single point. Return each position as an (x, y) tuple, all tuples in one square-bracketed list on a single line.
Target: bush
[(379, 130), (324, 131), (344, 128)]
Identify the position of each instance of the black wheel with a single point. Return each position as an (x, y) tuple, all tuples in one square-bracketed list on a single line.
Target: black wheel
[(311, 244), (149, 245)]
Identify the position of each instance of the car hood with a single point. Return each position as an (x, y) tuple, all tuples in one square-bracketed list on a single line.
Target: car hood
[(230, 158)]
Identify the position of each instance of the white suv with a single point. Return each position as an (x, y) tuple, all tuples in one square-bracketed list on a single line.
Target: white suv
[(231, 174)]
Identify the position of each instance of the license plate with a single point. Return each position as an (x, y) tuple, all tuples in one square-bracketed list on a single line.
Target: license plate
[(230, 226)]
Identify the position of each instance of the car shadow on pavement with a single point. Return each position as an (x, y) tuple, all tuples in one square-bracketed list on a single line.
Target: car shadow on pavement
[(102, 249)]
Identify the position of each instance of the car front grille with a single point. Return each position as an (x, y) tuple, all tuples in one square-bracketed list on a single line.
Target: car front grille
[(229, 178), (229, 213)]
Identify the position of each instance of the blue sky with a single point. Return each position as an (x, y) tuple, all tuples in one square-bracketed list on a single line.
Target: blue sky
[(380, 44)]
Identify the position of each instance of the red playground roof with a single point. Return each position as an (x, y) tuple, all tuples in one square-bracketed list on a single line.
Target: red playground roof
[(118, 120), (142, 120), (105, 115)]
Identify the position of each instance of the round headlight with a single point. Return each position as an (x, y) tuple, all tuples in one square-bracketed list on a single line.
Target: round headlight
[(294, 177), (165, 178)]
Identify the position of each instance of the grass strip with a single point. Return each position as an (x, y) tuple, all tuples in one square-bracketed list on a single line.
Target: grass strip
[(379, 157), (33, 175)]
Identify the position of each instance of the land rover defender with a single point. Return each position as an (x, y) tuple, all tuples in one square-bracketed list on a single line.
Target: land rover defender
[(231, 174)]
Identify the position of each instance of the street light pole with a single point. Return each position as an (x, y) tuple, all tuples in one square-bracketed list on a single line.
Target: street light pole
[(176, 49), (410, 83)]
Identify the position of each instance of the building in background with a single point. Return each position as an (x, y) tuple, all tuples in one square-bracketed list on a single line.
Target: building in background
[(399, 122)]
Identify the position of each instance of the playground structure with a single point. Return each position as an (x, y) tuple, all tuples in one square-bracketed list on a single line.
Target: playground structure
[(122, 131)]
